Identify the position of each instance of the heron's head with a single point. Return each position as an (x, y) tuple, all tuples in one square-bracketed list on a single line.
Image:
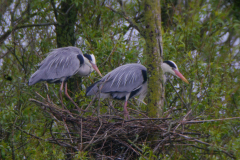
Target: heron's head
[(171, 67), (91, 61)]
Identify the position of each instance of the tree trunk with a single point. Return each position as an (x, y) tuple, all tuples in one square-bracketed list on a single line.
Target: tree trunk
[(153, 50), (67, 20)]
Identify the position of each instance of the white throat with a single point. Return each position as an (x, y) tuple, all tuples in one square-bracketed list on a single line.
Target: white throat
[(167, 69), (93, 59)]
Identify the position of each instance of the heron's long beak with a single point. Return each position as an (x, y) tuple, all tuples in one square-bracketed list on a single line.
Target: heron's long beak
[(96, 69), (181, 76)]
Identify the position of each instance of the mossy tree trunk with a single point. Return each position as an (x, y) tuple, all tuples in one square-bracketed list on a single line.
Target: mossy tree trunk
[(66, 19), (153, 50)]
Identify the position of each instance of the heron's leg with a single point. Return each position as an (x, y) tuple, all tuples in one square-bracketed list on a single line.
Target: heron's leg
[(66, 93), (125, 111), (60, 93)]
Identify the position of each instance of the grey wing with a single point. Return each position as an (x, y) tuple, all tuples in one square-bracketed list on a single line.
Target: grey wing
[(61, 63), (126, 78)]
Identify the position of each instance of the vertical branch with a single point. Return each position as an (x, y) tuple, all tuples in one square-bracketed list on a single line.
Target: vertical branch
[(153, 50)]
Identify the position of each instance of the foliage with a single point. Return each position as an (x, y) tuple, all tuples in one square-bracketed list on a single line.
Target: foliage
[(202, 37)]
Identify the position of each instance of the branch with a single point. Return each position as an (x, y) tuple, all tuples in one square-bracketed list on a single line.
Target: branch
[(211, 120), (6, 34), (69, 9), (132, 23), (54, 9), (196, 140), (36, 25), (94, 135), (29, 134), (184, 119), (177, 92)]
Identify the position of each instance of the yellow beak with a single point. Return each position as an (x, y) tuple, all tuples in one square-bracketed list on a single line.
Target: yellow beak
[(96, 69), (181, 76)]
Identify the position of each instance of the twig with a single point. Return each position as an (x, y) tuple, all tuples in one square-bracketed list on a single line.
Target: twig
[(65, 125), (177, 93), (184, 119), (132, 23), (211, 120), (140, 119), (29, 133), (94, 135), (155, 149)]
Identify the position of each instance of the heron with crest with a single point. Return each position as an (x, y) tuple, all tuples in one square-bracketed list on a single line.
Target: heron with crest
[(128, 81), (63, 63)]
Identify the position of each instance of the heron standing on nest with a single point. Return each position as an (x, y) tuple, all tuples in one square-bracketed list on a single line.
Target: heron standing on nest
[(63, 63), (128, 81)]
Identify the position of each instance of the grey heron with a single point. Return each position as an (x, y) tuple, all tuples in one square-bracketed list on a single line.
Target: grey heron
[(128, 81), (61, 64)]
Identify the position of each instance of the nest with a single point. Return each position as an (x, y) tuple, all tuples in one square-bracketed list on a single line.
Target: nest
[(112, 137)]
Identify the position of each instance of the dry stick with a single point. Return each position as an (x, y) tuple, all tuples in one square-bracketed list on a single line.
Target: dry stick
[(48, 99), (155, 149), (52, 106), (66, 110), (137, 111), (60, 143), (134, 145), (33, 100), (167, 113), (139, 119), (65, 125), (40, 95), (211, 120), (105, 139), (46, 105), (184, 119), (53, 135), (94, 135), (129, 146)]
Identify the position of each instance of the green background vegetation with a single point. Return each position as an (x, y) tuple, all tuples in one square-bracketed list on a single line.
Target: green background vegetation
[(201, 36)]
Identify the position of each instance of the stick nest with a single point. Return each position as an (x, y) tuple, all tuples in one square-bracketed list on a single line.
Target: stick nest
[(112, 137)]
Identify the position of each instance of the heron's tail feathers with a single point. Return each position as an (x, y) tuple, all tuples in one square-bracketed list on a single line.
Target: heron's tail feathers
[(36, 77), (93, 89)]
